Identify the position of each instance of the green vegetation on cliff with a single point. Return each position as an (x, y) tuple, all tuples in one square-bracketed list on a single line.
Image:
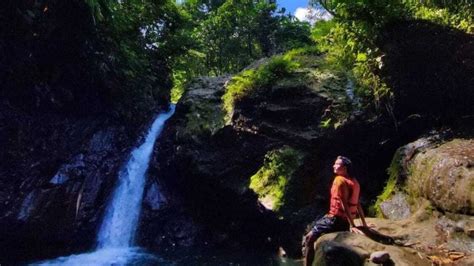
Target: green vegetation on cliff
[(223, 37), (271, 181), (297, 70), (392, 185), (249, 81), (349, 40)]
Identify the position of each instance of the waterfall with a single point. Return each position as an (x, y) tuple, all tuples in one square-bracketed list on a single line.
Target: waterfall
[(120, 222), (116, 234)]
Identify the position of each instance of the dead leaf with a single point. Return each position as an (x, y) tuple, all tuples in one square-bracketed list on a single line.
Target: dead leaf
[(439, 260), (456, 255), (409, 244)]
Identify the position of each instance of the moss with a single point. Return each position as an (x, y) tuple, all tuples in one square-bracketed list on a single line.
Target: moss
[(204, 118), (250, 81), (429, 209), (440, 175), (419, 179), (394, 173), (334, 86), (178, 89), (271, 181), (309, 56), (298, 68)]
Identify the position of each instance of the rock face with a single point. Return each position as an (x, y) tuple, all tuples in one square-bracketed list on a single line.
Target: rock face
[(422, 239), (445, 176), (207, 164), (434, 180), (437, 168), (346, 248), (57, 172), (396, 208)]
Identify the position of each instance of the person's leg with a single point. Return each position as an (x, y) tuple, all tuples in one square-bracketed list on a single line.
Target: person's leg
[(322, 226), (310, 238), (340, 225)]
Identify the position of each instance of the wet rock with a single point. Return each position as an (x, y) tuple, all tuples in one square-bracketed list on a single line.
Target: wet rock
[(154, 198), (57, 181), (396, 208), (69, 170), (103, 140), (345, 248), (337, 254), (27, 206), (379, 257), (470, 232)]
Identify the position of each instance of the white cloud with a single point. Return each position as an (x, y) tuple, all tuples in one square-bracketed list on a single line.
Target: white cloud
[(301, 13), (312, 15)]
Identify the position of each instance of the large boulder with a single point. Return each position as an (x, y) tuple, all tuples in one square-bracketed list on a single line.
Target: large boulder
[(444, 175), (346, 248)]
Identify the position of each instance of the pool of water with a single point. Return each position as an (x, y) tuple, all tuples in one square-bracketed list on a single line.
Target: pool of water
[(138, 256)]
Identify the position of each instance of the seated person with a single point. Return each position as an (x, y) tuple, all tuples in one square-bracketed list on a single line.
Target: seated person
[(344, 206)]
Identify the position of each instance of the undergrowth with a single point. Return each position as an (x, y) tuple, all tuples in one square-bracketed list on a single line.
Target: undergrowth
[(349, 38), (271, 181), (251, 80), (391, 186)]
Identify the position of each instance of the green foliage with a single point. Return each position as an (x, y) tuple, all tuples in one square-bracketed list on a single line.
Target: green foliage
[(225, 36), (99, 9), (250, 81), (203, 119), (391, 186), (138, 37), (349, 38), (349, 47), (271, 181), (290, 34), (322, 29), (457, 16)]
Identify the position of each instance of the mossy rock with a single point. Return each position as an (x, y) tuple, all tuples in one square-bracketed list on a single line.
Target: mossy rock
[(445, 176), (202, 99), (274, 178), (395, 190), (345, 248), (298, 71), (393, 185)]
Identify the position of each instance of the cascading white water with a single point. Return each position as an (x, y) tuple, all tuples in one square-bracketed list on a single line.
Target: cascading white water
[(115, 238), (119, 224)]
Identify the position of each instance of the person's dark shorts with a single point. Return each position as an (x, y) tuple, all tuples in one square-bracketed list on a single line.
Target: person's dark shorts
[(329, 224)]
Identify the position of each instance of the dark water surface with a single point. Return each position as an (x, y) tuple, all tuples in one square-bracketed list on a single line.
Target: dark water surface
[(139, 256)]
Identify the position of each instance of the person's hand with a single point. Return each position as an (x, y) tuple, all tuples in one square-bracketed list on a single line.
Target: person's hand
[(371, 225), (355, 229)]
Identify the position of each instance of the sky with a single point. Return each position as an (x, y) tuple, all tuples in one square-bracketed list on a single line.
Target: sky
[(299, 9), (292, 5)]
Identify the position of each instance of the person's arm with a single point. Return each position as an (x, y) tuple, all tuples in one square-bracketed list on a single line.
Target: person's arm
[(361, 214), (345, 205)]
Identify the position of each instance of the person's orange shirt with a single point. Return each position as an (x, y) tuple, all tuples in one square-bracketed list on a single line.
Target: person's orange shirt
[(344, 187)]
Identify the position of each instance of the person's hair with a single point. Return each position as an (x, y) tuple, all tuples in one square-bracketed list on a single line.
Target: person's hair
[(347, 163)]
